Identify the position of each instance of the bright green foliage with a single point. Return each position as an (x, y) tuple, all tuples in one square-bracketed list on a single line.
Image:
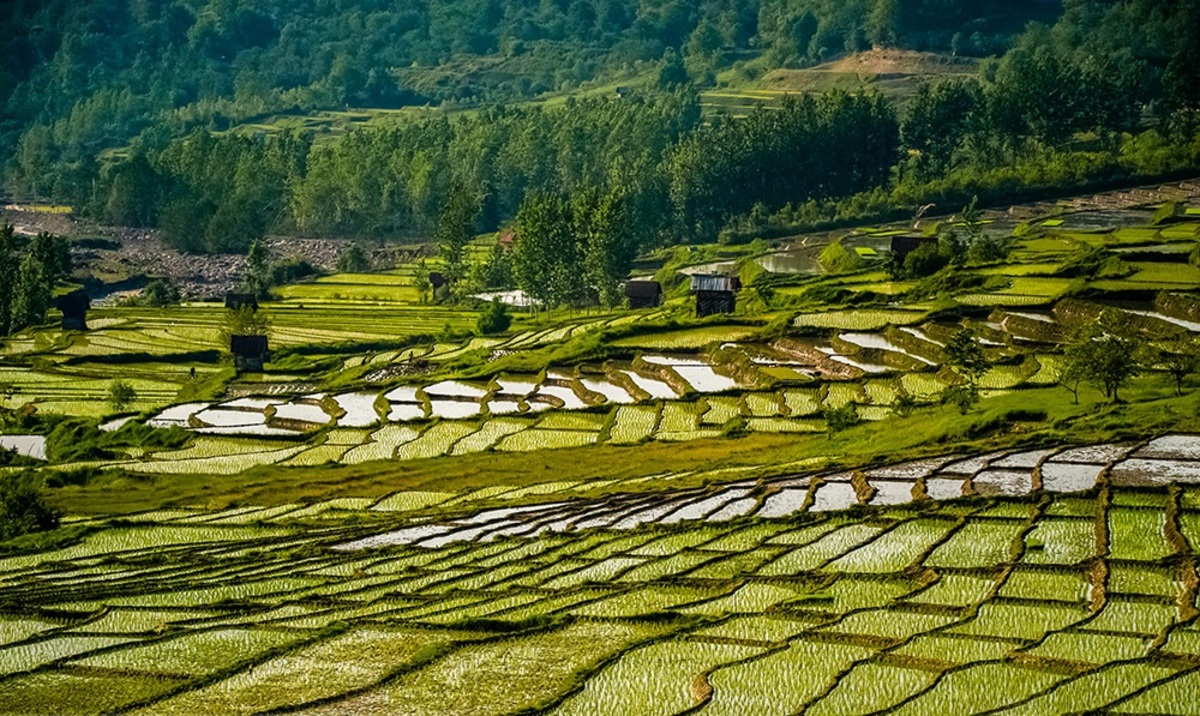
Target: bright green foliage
[(546, 255), (494, 319), (965, 355), (1105, 353)]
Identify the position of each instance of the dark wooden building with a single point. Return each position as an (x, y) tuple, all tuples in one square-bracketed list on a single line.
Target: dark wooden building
[(74, 307), (715, 294), (643, 294), (249, 353), (437, 280), (905, 244), (238, 301)]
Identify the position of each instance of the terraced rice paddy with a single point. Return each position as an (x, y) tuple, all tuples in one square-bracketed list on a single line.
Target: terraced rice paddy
[(1037, 578), (873, 370), (921, 608)]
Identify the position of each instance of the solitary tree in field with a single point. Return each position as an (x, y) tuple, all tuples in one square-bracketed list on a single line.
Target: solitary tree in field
[(546, 258), (258, 269), (354, 259), (1071, 375), (496, 270), (966, 357), (421, 281), (494, 319), (981, 248), (1179, 357), (121, 395), (606, 239), (1105, 353)]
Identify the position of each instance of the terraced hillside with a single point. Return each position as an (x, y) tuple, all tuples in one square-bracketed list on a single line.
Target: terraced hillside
[(618, 511), (655, 604)]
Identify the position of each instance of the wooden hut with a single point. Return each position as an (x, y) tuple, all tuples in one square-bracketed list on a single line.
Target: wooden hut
[(437, 280), (74, 307), (249, 353), (238, 301), (643, 294), (715, 294)]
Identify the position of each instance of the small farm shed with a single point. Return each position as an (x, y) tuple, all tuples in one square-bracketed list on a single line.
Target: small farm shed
[(238, 301), (437, 280), (249, 353), (905, 244), (643, 294), (74, 307), (715, 294)]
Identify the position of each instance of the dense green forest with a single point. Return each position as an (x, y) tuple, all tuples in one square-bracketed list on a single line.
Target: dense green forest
[(1108, 90), (80, 77)]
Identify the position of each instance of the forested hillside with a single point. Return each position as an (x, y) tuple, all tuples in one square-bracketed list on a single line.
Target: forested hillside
[(79, 77), (1109, 90)]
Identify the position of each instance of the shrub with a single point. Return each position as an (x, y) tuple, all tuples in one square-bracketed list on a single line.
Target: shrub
[(290, 269), (838, 419), (494, 319), (23, 508), (904, 405), (963, 397), (160, 293), (925, 260), (354, 259), (121, 395)]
